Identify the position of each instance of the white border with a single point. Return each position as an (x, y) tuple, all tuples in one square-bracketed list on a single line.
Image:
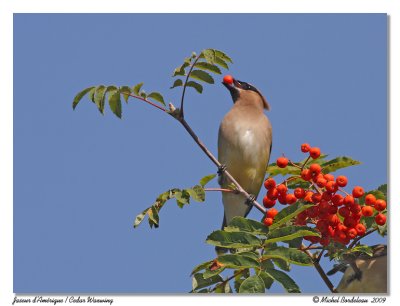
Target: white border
[(8, 7)]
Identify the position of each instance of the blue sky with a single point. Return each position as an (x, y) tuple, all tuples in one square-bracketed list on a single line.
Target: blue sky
[(81, 178)]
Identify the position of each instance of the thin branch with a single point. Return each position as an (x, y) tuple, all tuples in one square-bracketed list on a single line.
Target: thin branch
[(319, 269), (354, 242), (185, 84), (228, 279), (220, 189), (144, 100)]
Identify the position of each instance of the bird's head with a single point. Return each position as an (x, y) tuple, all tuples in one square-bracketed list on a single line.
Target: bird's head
[(240, 89)]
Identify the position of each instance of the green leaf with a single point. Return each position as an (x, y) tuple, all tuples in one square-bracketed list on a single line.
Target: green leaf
[(285, 280), (91, 94), (198, 281), (221, 62), (295, 243), (223, 288), (293, 184), (136, 88), (201, 266), (143, 94), (206, 179), (157, 97), (197, 193), (293, 256), (124, 90), (140, 217), (195, 85), (182, 196), (252, 284), (240, 224), (153, 216), (288, 213), (233, 240), (208, 67), (383, 189), (290, 233), (80, 95), (222, 56), (181, 69), (253, 254), (208, 273), (202, 76), (178, 82), (114, 100), (338, 163), (209, 55), (237, 261), (99, 96), (363, 249), (281, 264), (274, 170), (268, 280), (240, 276)]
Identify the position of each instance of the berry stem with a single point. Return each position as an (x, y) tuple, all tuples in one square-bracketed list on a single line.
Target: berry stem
[(294, 165), (343, 191), (305, 162)]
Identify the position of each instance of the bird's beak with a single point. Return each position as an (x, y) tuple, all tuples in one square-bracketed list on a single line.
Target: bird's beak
[(233, 89)]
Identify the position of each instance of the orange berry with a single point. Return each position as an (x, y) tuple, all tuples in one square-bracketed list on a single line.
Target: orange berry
[(299, 193), (331, 186), (282, 162), (337, 200), (271, 213), (321, 182), (282, 189), (380, 205), (268, 221), (329, 177), (358, 192), (344, 211), (380, 219), (348, 200), (370, 199), (351, 233), (312, 212), (324, 241), (367, 211), (355, 208), (305, 147), (228, 79), (327, 196), (349, 222), (308, 196), (360, 228), (315, 169), (290, 198), (341, 180), (315, 152), (268, 203), (316, 197), (269, 183), (272, 194), (306, 174), (282, 198)]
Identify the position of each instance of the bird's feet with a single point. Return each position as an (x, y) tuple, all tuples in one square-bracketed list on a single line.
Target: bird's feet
[(221, 170), (250, 200)]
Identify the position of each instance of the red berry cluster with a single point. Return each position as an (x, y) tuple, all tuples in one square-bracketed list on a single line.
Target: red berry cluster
[(336, 214)]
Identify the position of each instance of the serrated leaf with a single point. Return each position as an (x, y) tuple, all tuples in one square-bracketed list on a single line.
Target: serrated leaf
[(198, 281), (251, 254), (153, 216), (226, 288), (91, 94), (197, 193), (157, 97), (233, 240), (252, 284), (221, 62), (209, 55), (290, 233), (240, 277), (80, 95), (143, 94), (114, 100), (99, 97), (241, 224), (208, 67), (210, 273), (290, 255), (285, 280), (237, 261), (338, 163), (206, 179), (223, 56), (136, 88), (124, 90), (195, 85), (293, 184), (140, 217), (383, 189), (295, 243), (181, 69), (202, 76), (288, 213), (268, 280), (177, 82), (182, 196), (201, 266), (363, 249)]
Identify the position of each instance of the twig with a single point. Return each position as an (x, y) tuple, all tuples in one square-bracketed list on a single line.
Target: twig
[(228, 279), (185, 84), (319, 269), (220, 189), (354, 242), (144, 100)]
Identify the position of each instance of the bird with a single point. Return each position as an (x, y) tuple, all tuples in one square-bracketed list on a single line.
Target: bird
[(363, 273), (244, 146)]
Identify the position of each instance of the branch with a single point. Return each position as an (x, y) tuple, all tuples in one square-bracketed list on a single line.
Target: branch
[(319, 269), (354, 242), (144, 100), (220, 189)]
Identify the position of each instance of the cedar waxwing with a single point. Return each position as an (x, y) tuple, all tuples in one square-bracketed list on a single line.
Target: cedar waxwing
[(364, 274), (244, 146)]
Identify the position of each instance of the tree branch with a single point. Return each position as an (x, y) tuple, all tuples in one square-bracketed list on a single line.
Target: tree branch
[(185, 84)]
